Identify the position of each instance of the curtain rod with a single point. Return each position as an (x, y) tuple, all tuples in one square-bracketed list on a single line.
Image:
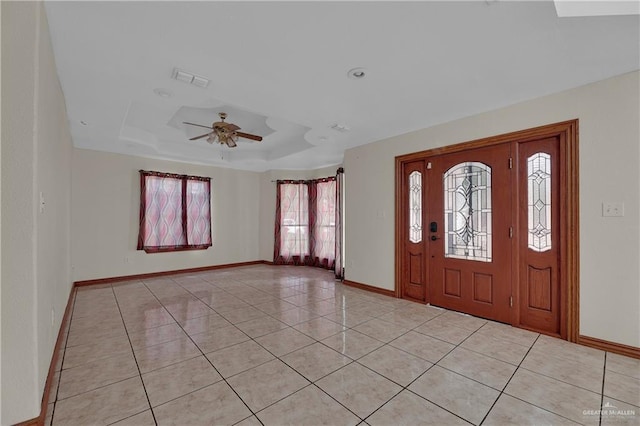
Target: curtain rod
[(340, 170)]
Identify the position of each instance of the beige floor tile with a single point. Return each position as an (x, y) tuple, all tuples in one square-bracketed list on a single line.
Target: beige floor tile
[(104, 405), (455, 393), (396, 365), (261, 386), (275, 307), (323, 307), (238, 358), (204, 324), (358, 388), (284, 341), (405, 319), (142, 419), (381, 330), (189, 310), (409, 409), (250, 421), (308, 406), (552, 395), (156, 335), (153, 357), (92, 337), (102, 348), (623, 365), (214, 405), (243, 314), (510, 334), (261, 326), (458, 319), (225, 304), (176, 380), (219, 338), (79, 325), (448, 333), (347, 318), (294, 316), (481, 368), (422, 346), (301, 299), (571, 371), (93, 375), (146, 318), (512, 411), (619, 413), (495, 348), (563, 349), (319, 328), (623, 388), (315, 361), (352, 344)]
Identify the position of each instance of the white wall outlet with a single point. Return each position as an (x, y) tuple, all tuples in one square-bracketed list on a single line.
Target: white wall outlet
[(612, 209)]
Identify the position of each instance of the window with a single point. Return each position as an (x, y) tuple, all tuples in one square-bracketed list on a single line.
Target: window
[(306, 220), (175, 212), (415, 207), (539, 201), (467, 211), (294, 235)]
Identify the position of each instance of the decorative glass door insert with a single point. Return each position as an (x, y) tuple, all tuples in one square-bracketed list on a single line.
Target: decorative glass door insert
[(467, 212)]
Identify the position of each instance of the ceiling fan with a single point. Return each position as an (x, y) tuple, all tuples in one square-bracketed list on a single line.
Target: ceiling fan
[(224, 133)]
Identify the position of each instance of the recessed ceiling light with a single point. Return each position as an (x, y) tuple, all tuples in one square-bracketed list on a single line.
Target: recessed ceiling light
[(357, 73), (163, 93)]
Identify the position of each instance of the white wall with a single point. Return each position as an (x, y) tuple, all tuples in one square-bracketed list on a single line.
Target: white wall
[(268, 201), (609, 140), (105, 216), (35, 244)]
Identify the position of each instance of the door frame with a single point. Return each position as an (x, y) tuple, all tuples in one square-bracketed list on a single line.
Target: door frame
[(569, 278)]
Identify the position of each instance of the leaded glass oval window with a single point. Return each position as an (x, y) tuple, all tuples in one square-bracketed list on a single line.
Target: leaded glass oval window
[(415, 207), (467, 212), (539, 201)]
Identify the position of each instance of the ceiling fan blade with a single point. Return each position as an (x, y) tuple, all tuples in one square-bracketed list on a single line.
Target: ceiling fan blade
[(232, 127), (199, 125), (199, 137), (249, 136)]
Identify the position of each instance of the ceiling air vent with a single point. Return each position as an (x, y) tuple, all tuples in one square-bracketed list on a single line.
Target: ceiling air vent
[(190, 78)]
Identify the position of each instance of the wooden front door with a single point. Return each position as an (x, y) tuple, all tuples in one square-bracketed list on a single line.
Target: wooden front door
[(469, 231), (490, 228)]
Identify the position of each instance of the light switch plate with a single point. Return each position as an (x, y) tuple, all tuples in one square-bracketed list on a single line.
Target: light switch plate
[(612, 209)]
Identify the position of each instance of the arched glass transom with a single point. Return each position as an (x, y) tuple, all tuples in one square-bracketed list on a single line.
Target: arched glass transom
[(467, 212), (539, 201), (415, 207)]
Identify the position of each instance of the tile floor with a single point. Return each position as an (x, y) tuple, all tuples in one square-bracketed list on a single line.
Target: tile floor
[(290, 346)]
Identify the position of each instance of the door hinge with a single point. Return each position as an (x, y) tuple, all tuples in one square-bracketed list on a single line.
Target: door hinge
[(510, 163), (511, 301), (511, 232)]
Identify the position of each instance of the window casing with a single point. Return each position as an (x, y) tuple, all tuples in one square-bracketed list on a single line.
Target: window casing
[(175, 212)]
